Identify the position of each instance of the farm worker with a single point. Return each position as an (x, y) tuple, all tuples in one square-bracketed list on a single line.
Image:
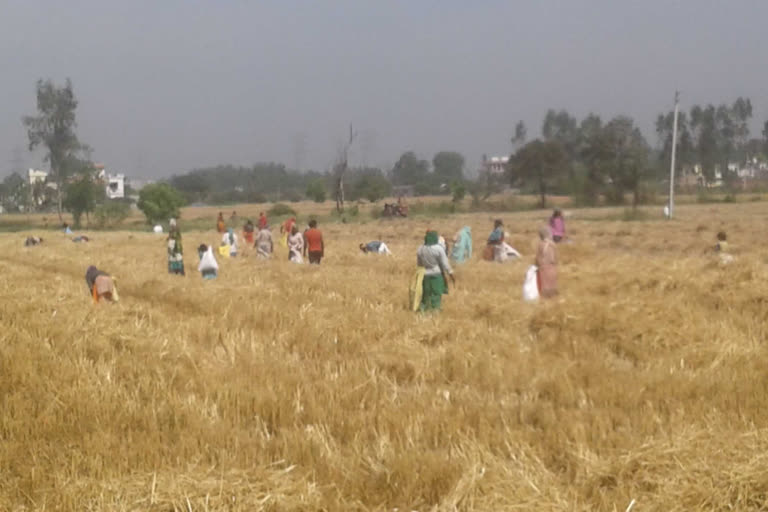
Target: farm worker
[(101, 285), (67, 231), (546, 261), (721, 248), (557, 225), (493, 249), (295, 245), (81, 238), (248, 230), (230, 239), (441, 242), (315, 244), (431, 256), (220, 226), (32, 240), (175, 251), (287, 226), (208, 266), (462, 245), (375, 247), (262, 221), (264, 246)]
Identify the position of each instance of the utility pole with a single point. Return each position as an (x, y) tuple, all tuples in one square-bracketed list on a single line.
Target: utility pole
[(672, 166)]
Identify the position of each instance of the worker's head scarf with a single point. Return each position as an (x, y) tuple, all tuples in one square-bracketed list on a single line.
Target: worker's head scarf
[(431, 238), (545, 233)]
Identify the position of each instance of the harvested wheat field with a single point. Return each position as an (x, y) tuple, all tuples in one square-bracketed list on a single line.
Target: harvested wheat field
[(285, 387)]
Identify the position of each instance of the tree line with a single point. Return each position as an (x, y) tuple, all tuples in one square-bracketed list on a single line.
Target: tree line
[(590, 159)]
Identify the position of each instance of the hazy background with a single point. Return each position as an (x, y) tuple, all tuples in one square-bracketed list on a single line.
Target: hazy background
[(166, 86)]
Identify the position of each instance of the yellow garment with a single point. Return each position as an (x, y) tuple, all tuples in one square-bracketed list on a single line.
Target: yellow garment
[(284, 240), (224, 251), (415, 289)]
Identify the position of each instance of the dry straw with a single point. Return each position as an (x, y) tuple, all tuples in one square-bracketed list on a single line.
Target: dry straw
[(284, 387)]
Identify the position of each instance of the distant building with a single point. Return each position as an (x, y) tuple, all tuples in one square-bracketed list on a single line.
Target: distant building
[(114, 184), (495, 164), (36, 176)]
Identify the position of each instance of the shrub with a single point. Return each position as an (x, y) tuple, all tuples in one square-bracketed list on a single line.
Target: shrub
[(111, 213), (729, 198), (316, 190), (159, 202), (280, 210)]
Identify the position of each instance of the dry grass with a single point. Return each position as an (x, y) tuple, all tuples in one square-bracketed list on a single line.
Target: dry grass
[(279, 387)]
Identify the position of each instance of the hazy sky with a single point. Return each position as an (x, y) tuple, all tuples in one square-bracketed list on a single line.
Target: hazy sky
[(168, 85)]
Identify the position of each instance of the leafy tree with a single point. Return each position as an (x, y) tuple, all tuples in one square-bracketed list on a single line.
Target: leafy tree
[(765, 138), (54, 128), (684, 152), (562, 127), (448, 166), (81, 197), (160, 201), (521, 132), (458, 191), (370, 184), (15, 192), (618, 156), (703, 124), (539, 162), (409, 170), (316, 190)]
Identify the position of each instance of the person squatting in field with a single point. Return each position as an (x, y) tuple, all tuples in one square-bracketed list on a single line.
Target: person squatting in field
[(375, 247), (546, 261), (32, 240), (314, 245), (101, 285), (497, 248), (432, 258), (175, 251), (295, 245)]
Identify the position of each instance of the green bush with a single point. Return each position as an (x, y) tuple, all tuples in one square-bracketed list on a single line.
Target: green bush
[(160, 202), (281, 210), (316, 190), (729, 198), (111, 213)]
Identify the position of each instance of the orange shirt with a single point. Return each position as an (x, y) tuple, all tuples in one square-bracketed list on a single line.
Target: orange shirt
[(314, 240)]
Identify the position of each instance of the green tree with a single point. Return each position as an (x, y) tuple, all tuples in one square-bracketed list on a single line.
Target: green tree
[(448, 166), (410, 170), (54, 129), (521, 132), (316, 190), (458, 191), (81, 197), (540, 163), (684, 152), (703, 124), (159, 202), (370, 184), (15, 193), (765, 138), (112, 213), (618, 156)]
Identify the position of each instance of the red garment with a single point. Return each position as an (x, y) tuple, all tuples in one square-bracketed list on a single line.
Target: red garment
[(289, 225), (314, 239), (262, 221)]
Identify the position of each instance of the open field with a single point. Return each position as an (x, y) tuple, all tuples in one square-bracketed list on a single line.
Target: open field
[(284, 387)]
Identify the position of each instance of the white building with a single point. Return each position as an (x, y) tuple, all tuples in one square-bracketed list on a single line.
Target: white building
[(116, 186), (495, 164), (36, 176)]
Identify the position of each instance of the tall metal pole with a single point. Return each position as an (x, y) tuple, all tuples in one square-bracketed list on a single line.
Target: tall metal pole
[(672, 166)]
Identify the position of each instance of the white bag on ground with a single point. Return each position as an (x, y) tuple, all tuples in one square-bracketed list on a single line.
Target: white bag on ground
[(530, 286)]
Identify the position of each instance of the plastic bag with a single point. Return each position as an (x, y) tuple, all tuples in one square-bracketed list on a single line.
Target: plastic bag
[(208, 261), (530, 286), (224, 251)]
